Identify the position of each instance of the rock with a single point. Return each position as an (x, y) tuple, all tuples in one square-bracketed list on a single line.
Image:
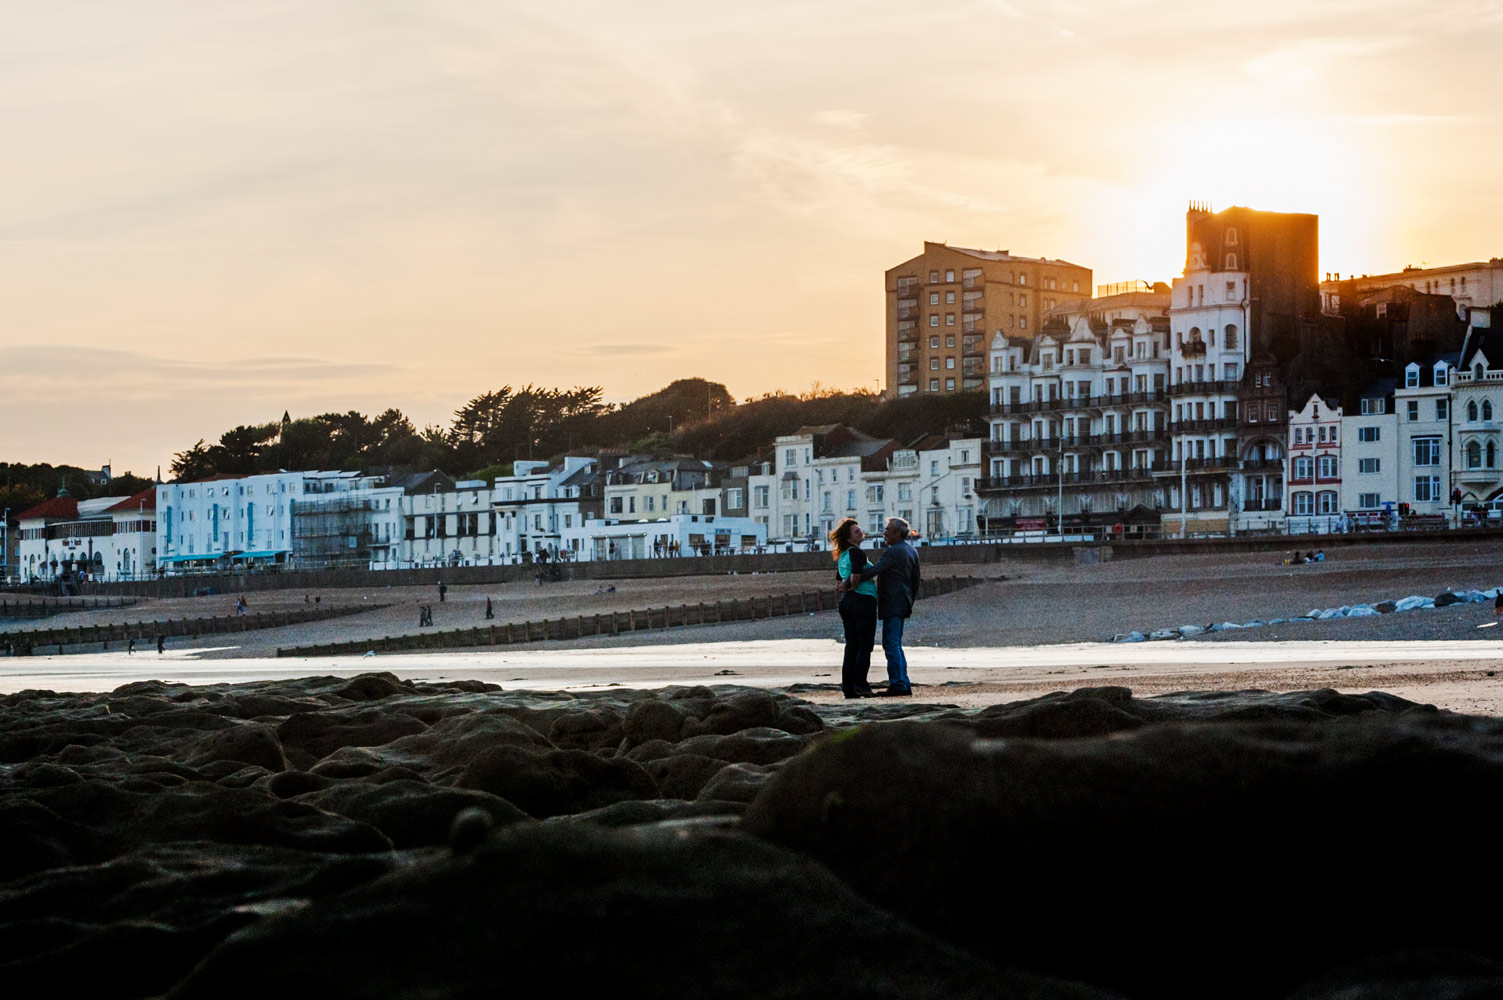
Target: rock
[(1386, 607), (1447, 599), (737, 782), (1088, 712), (411, 813), (1180, 798), (683, 775), (555, 782), (314, 735), (750, 746), (653, 719), (252, 743), (597, 907), (373, 687)]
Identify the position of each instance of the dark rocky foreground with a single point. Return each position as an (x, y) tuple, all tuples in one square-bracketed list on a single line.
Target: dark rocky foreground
[(378, 838)]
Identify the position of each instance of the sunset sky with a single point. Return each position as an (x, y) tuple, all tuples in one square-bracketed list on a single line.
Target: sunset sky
[(213, 211)]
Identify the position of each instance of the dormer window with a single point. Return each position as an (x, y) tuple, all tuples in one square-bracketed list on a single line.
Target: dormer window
[(1477, 371), (1440, 375), (1411, 377)]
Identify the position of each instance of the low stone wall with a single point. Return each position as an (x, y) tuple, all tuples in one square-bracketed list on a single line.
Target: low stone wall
[(612, 623)]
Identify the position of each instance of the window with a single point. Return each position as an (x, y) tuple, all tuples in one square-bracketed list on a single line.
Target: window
[(1327, 466), (1325, 502), (1411, 377), (1473, 455), (1231, 262), (1371, 407), (1231, 237), (1022, 279), (949, 298), (1022, 300), (934, 342), (949, 385), (1426, 489), (934, 385), (1368, 500), (1413, 409), (760, 496), (1441, 409), (949, 319), (934, 364), (934, 319), (1304, 503), (1304, 468), (1471, 409), (949, 275), (1487, 409), (1369, 433), (1022, 322), (934, 298), (933, 277), (1368, 466), (790, 456), (1427, 451), (949, 340), (850, 499), (950, 363)]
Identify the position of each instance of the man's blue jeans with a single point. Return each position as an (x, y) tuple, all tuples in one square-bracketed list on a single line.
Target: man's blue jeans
[(892, 645)]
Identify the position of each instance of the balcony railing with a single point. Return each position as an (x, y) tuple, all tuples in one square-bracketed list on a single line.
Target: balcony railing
[(1053, 480), (908, 314), (1202, 465), (1262, 464), (1193, 349), (1080, 403), (1197, 388), (974, 281), (1217, 424), (1260, 506)]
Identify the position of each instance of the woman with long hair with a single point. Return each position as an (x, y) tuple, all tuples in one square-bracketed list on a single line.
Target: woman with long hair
[(858, 609)]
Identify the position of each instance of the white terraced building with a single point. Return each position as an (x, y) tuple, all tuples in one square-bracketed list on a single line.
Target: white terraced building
[(303, 520)]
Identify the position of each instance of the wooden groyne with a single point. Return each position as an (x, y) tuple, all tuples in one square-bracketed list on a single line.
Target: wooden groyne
[(612, 622), (42, 607), (26, 642)]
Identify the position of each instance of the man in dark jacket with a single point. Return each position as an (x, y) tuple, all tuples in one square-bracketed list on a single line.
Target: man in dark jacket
[(897, 574)]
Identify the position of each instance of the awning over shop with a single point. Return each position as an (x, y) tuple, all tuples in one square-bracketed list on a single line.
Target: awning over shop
[(262, 554)]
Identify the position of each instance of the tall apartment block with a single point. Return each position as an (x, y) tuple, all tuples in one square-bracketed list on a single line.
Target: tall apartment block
[(944, 305)]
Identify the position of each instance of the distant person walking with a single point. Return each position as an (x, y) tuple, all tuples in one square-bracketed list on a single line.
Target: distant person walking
[(490, 610), (898, 581), (858, 609), (161, 644), (442, 590)]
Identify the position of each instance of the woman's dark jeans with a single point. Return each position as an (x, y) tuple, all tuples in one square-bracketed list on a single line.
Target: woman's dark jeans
[(859, 614)]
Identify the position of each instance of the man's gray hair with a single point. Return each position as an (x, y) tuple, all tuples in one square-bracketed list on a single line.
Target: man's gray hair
[(902, 525)]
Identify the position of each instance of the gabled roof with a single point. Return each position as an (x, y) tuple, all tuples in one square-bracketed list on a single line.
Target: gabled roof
[(56, 509), (145, 500)]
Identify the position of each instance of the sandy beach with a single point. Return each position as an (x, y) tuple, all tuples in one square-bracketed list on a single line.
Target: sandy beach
[(1035, 629)]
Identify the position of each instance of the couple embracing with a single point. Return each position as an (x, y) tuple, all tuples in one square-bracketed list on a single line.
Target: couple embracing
[(884, 589)]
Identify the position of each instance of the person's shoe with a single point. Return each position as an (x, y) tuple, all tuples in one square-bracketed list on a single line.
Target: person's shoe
[(868, 693), (896, 692)]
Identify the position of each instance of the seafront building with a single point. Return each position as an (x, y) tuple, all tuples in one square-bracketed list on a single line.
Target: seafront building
[(70, 541), (945, 304)]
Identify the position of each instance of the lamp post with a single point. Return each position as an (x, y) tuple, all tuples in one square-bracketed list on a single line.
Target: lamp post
[(1184, 488)]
